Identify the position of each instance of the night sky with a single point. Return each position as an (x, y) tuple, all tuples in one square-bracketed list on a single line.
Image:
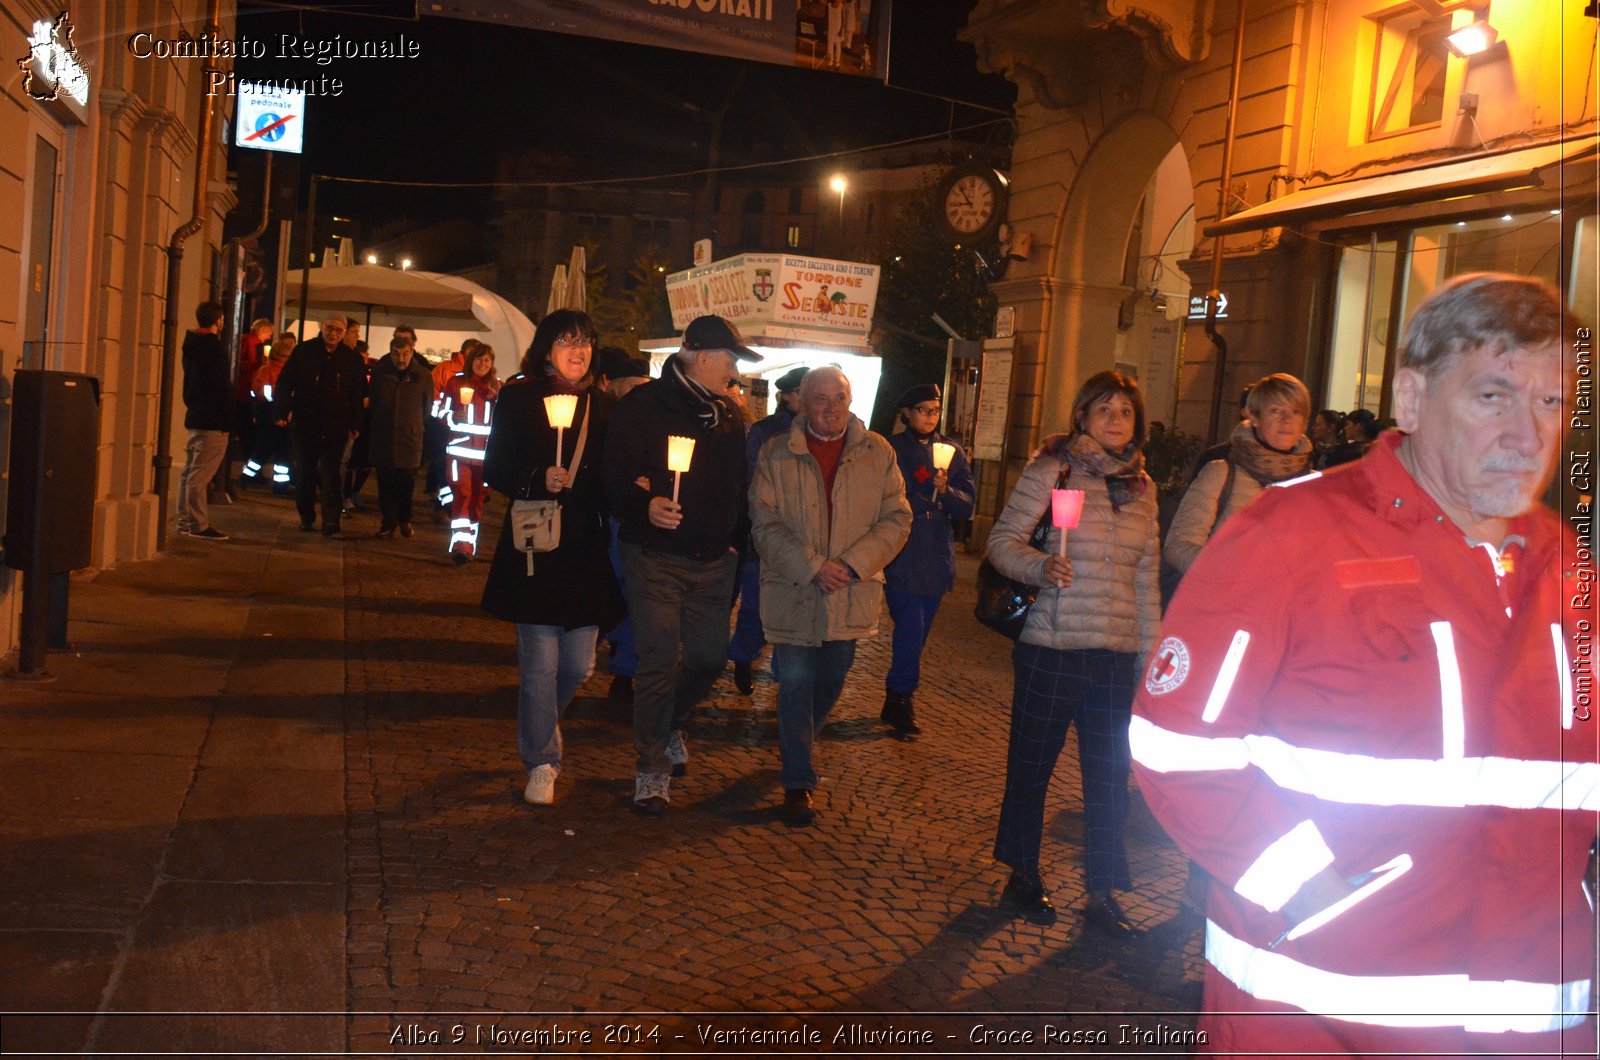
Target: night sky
[(477, 91)]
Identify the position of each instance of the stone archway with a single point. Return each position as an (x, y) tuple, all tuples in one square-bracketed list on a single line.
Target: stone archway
[(1091, 246)]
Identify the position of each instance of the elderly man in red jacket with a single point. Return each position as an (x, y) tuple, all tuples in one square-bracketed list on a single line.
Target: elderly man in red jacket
[(1362, 720)]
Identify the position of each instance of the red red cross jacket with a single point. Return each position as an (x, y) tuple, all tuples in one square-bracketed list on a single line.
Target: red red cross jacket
[(1345, 681), (467, 421)]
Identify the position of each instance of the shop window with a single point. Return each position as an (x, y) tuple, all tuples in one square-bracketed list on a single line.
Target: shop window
[(1382, 281), (1356, 365), (1409, 64)]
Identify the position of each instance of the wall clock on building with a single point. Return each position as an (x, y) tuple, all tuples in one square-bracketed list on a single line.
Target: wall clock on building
[(971, 202)]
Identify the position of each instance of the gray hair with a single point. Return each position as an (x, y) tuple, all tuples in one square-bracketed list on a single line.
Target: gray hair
[(817, 376), (1493, 311)]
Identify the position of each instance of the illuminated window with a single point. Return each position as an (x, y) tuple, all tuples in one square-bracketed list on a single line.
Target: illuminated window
[(1409, 64), (793, 238)]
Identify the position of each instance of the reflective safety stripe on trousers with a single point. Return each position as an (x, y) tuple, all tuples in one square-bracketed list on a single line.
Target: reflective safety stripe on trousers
[(1367, 780), (1485, 1006)]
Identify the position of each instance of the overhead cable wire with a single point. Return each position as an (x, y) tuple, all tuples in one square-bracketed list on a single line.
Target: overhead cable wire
[(679, 175)]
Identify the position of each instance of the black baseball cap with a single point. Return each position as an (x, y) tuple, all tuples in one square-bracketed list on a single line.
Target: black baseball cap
[(714, 333)]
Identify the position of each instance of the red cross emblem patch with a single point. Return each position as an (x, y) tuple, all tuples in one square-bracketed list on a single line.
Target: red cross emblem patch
[(1168, 667), (922, 475)]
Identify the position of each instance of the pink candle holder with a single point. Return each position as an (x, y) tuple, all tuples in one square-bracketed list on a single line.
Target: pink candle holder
[(1065, 508)]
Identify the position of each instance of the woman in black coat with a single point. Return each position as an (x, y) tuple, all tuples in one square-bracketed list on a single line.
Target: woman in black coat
[(570, 593)]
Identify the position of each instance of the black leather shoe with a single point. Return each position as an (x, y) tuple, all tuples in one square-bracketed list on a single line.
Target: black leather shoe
[(742, 678), (1024, 895), (330, 529), (1103, 912), (307, 527), (899, 713), (797, 809)]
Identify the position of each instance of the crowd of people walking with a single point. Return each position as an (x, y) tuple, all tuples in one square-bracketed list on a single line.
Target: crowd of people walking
[(1258, 665)]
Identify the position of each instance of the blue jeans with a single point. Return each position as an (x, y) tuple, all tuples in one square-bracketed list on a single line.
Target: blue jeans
[(913, 621), (624, 655), (554, 663), (812, 681), (748, 636), (1092, 688)]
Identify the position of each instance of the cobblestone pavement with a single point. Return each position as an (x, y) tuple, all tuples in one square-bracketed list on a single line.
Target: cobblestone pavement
[(478, 922)]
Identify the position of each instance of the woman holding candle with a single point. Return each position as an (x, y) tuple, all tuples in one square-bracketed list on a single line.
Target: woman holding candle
[(1097, 614), (939, 487), (560, 602), (466, 407)]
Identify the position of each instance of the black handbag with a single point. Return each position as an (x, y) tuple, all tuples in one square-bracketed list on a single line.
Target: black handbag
[(1003, 602)]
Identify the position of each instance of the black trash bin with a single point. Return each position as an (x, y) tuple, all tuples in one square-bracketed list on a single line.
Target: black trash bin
[(49, 532)]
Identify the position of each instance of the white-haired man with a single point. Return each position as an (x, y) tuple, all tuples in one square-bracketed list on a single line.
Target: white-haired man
[(1362, 723), (828, 512)]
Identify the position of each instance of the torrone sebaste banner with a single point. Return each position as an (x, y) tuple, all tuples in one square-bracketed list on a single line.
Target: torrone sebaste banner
[(842, 36)]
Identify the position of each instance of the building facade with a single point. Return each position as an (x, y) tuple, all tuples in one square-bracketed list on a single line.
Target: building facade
[(94, 183), (1369, 163)]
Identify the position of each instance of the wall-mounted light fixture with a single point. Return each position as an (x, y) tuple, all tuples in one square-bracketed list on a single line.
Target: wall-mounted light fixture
[(1473, 39)]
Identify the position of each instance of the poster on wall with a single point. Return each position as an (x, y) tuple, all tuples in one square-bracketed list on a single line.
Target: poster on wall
[(994, 400), (847, 37)]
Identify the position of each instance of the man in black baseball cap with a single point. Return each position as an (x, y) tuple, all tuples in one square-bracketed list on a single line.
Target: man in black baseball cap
[(714, 333), (680, 541)]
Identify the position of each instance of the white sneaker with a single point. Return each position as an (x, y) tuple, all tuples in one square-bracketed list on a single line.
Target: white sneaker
[(541, 789), (678, 753), (652, 792)]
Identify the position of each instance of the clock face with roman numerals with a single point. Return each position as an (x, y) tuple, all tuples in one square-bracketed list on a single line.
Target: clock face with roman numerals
[(971, 202)]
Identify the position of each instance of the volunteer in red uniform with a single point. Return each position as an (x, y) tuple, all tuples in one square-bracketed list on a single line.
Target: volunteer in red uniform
[(1361, 721), (465, 405)]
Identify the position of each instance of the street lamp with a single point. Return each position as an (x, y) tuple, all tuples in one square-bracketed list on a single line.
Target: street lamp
[(839, 184), (405, 263), (372, 259)]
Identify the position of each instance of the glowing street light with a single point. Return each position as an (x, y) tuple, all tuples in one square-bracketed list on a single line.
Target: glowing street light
[(405, 263), (839, 184), (1475, 39), (372, 259)]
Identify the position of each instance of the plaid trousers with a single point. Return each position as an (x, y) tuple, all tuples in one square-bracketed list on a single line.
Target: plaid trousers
[(1053, 688)]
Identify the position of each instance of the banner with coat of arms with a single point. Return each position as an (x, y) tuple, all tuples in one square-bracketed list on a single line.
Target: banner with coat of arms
[(783, 289)]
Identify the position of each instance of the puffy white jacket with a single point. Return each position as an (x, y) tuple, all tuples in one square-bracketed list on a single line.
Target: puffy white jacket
[(1114, 600)]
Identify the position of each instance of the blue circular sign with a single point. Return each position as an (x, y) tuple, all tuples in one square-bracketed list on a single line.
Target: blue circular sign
[(264, 121)]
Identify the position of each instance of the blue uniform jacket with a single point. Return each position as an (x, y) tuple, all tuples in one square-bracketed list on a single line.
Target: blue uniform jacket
[(927, 565)]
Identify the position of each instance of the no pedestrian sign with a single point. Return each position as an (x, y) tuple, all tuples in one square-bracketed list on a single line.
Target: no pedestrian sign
[(270, 118)]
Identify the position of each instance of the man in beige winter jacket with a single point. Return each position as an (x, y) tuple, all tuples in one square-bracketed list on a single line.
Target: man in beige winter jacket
[(828, 511)]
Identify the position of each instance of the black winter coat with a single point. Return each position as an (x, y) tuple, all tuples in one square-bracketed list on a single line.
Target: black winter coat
[(324, 390), (399, 409), (573, 585), (712, 492), (208, 399)]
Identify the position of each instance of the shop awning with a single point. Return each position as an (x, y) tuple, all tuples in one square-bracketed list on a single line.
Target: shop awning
[(1528, 167)]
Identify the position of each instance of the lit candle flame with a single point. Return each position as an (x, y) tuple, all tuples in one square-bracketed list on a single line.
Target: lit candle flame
[(466, 399), (560, 408), (680, 451)]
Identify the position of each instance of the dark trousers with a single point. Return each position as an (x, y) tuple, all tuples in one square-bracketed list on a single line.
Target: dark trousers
[(679, 608), (316, 470), (395, 486), (1053, 689), (748, 636), (624, 656), (913, 621)]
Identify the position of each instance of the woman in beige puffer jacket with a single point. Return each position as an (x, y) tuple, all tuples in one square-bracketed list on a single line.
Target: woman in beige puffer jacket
[(1095, 619)]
